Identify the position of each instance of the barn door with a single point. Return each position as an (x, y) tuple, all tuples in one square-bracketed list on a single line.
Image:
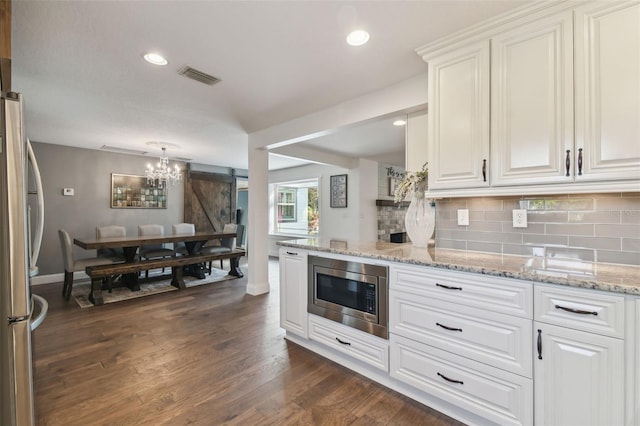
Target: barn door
[(209, 200)]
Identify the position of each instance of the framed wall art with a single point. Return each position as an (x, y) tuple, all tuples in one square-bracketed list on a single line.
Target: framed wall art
[(338, 184), (133, 192), (393, 184)]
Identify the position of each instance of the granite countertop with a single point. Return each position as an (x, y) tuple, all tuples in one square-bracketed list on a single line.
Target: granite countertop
[(546, 269)]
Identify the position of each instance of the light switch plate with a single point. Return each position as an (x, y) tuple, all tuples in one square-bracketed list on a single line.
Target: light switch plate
[(463, 217), (68, 191), (519, 218)]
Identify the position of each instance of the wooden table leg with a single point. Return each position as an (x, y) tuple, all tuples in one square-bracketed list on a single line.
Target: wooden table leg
[(130, 280), (176, 277), (235, 267), (195, 270), (95, 296)]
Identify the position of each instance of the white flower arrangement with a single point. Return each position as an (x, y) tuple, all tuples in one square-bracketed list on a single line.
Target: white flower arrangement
[(410, 182)]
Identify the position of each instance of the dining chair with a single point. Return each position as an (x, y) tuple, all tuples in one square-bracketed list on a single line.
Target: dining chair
[(111, 231), (153, 251), (72, 264), (182, 228), (226, 244)]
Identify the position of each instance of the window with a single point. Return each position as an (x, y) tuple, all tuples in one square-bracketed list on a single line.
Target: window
[(286, 204), (294, 208)]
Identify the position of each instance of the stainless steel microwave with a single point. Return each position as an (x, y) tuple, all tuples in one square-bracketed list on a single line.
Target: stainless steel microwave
[(351, 293)]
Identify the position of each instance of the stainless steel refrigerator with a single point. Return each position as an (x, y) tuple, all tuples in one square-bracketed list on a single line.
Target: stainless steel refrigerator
[(17, 265)]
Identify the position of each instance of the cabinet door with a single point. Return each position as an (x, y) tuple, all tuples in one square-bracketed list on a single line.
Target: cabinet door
[(608, 90), (458, 119), (293, 291), (579, 379), (416, 141), (532, 102)]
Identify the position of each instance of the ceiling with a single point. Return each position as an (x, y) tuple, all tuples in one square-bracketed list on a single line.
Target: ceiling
[(79, 65)]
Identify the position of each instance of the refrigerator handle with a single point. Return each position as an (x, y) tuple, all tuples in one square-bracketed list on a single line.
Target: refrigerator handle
[(35, 252), (44, 308)]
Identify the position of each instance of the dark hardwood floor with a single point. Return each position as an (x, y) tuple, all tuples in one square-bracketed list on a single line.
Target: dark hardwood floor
[(206, 355)]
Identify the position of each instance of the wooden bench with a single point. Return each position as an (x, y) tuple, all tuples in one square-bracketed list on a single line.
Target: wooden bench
[(99, 272)]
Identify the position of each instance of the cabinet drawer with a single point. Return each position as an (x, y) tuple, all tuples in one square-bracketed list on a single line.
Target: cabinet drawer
[(362, 346), (502, 341), (499, 396), (588, 310), (504, 295)]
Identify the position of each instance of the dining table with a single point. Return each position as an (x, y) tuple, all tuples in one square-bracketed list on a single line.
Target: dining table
[(130, 245)]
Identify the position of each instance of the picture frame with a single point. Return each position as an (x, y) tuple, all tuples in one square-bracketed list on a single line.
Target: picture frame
[(393, 185), (338, 191), (133, 192)]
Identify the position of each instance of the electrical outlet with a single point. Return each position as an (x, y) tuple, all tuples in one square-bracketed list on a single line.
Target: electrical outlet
[(519, 218), (68, 191), (463, 217)]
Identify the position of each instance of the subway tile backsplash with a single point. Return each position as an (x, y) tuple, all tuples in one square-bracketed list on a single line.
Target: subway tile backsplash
[(601, 227)]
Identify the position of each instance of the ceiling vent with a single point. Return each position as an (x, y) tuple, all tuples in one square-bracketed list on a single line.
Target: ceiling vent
[(123, 150), (196, 75)]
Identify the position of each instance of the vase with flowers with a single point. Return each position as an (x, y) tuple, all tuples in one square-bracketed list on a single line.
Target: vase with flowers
[(420, 218)]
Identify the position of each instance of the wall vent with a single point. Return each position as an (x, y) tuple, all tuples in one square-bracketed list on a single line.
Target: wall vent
[(123, 150), (197, 75)]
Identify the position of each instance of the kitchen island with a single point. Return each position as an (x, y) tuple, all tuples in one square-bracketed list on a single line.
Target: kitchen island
[(562, 271), (485, 338)]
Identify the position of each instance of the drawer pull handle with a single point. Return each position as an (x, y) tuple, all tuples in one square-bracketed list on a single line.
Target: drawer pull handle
[(576, 311), (343, 342), (567, 162), (450, 380), (448, 328), (292, 253), (448, 287), (539, 344)]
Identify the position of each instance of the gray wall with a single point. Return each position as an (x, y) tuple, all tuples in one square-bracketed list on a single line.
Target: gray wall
[(89, 173)]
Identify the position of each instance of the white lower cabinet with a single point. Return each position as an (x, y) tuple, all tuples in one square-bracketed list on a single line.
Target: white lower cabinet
[(499, 396), (485, 349), (499, 340), (579, 367), (365, 347), (579, 377), (293, 291), (464, 338)]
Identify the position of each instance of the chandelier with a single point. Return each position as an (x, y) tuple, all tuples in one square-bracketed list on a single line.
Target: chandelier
[(163, 175)]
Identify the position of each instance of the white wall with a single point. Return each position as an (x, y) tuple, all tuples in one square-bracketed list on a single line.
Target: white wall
[(358, 221), (89, 173)]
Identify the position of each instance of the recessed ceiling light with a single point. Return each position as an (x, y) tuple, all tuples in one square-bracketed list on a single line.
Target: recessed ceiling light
[(400, 122), (155, 59), (358, 38)]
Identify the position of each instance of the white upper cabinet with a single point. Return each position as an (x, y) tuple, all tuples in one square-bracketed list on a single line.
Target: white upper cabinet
[(607, 90), (545, 100), (416, 154), (458, 119), (532, 103)]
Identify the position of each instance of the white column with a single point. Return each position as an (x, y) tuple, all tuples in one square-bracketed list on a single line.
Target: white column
[(258, 225)]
